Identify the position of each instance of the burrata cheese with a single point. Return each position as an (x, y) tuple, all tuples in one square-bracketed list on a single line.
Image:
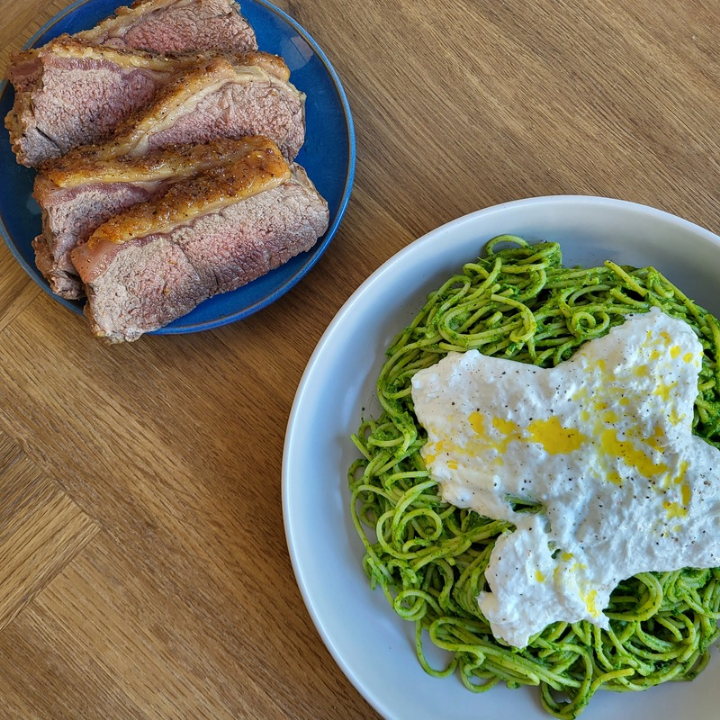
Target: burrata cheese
[(603, 442)]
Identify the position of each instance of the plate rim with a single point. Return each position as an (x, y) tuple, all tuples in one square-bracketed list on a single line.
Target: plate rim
[(316, 252), (372, 695)]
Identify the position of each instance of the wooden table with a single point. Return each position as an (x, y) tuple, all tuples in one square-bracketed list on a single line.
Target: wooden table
[(143, 565)]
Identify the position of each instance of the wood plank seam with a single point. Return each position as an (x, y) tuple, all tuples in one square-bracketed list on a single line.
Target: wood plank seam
[(41, 529)]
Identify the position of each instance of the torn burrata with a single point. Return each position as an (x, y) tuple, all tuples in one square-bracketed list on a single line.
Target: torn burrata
[(602, 443)]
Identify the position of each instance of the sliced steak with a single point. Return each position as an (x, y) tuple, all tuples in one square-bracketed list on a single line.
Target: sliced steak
[(220, 99), (71, 94), (210, 234), (77, 193), (176, 26)]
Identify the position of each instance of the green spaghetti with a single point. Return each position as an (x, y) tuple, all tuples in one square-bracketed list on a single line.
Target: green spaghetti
[(429, 557)]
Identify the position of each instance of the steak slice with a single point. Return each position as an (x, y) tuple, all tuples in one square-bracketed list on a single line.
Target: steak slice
[(77, 193), (176, 26), (220, 99), (68, 93), (206, 235)]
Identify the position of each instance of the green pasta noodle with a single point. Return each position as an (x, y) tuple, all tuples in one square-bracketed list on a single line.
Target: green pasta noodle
[(429, 557)]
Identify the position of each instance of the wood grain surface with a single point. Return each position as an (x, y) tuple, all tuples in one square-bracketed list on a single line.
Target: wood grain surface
[(143, 565)]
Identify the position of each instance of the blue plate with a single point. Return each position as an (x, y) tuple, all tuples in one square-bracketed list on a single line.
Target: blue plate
[(328, 155)]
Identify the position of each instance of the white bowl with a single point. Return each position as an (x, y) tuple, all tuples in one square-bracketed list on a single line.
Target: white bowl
[(372, 645)]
